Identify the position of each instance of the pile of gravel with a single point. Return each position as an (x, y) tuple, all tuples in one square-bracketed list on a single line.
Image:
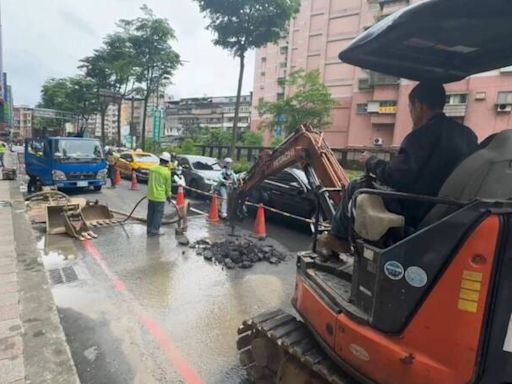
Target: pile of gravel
[(237, 253)]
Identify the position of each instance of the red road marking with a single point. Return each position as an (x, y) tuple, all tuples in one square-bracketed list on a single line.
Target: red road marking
[(177, 361)]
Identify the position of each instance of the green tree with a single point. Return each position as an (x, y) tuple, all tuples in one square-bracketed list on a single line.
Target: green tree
[(216, 136), (72, 94), (97, 69), (111, 68), (121, 59), (276, 142), (242, 25), (310, 103), (155, 60), (254, 139)]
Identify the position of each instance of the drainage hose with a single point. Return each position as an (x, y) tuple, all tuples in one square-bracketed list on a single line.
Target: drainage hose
[(141, 219)]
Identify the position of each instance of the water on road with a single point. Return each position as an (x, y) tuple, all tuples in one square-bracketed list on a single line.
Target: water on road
[(139, 310)]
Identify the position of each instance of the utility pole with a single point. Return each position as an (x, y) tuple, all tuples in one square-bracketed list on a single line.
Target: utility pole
[(132, 122)]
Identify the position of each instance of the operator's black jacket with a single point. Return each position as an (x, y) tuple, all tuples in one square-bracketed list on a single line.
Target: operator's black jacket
[(427, 156)]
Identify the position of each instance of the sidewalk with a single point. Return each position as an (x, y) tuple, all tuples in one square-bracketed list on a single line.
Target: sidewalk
[(33, 348)]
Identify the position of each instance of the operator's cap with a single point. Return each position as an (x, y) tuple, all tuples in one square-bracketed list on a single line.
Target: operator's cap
[(165, 156)]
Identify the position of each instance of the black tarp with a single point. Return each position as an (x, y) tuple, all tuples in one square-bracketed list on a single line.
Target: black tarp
[(438, 40)]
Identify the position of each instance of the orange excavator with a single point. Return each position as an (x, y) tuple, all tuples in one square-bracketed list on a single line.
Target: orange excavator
[(434, 304)]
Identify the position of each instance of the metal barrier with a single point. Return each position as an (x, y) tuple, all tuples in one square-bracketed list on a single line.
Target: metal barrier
[(270, 209)]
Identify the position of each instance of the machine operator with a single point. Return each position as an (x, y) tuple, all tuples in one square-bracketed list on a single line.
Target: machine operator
[(427, 156)]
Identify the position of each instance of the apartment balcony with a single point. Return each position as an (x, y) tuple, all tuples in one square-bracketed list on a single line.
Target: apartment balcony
[(378, 79), (456, 110), (383, 119)]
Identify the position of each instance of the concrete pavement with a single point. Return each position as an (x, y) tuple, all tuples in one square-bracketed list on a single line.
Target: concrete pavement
[(33, 348)]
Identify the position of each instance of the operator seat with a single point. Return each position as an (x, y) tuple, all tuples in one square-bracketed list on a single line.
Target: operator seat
[(486, 174)]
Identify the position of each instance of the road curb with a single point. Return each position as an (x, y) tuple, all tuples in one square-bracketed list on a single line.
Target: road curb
[(46, 354)]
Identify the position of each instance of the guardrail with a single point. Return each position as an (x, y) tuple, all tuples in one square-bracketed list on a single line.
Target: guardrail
[(346, 156)]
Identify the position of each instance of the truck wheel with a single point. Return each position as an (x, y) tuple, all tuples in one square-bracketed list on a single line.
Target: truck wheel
[(97, 188)]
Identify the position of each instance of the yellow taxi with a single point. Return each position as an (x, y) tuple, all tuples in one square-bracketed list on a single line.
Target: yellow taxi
[(139, 162)]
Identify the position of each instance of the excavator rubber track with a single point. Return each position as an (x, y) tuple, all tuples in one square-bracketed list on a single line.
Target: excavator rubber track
[(284, 338)]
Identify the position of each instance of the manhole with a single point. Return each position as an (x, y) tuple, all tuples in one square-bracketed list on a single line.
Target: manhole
[(62, 275)]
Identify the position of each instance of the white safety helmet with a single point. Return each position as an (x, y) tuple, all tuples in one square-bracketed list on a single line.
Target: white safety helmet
[(228, 162), (165, 156)]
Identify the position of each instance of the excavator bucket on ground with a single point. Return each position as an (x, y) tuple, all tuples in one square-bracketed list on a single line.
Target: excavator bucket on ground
[(63, 214), (68, 219), (97, 215), (76, 219)]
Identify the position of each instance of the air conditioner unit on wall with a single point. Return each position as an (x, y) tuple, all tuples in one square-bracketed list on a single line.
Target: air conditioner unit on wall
[(504, 108), (373, 106), (378, 142)]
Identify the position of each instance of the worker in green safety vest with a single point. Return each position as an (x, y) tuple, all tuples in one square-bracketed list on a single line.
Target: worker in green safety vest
[(3, 149), (159, 191)]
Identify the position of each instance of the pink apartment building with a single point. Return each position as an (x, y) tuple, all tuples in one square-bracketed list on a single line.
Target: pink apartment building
[(372, 109)]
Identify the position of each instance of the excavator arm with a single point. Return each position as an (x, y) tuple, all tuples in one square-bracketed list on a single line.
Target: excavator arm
[(308, 148)]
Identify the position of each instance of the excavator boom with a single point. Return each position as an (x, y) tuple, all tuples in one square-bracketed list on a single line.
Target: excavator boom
[(306, 147)]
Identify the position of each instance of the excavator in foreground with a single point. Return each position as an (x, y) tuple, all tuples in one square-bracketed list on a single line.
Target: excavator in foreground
[(432, 304)]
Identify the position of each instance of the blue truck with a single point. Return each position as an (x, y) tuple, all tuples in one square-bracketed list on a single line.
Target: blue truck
[(65, 163)]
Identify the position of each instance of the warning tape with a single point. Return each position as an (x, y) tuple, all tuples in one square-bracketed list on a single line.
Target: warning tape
[(323, 226)]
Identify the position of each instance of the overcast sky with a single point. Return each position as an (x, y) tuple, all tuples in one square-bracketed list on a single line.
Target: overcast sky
[(47, 38)]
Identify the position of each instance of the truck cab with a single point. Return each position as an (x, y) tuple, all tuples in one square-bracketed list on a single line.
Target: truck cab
[(65, 163)]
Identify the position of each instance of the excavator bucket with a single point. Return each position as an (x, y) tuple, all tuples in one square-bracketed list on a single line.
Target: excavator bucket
[(96, 214), (55, 218), (67, 219), (75, 219)]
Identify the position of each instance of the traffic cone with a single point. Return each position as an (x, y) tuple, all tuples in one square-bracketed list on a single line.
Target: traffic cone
[(135, 183), (180, 197), (182, 207), (260, 229), (213, 217), (117, 179)]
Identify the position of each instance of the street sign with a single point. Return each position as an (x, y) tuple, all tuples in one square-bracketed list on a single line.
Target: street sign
[(157, 122)]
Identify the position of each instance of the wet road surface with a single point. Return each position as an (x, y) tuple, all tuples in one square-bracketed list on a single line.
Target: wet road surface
[(138, 310)]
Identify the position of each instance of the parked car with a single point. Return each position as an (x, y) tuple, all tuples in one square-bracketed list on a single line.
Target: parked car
[(290, 192), (200, 172), (140, 162)]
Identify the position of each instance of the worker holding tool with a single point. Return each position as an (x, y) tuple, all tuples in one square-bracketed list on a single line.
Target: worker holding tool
[(159, 191), (179, 178), (227, 181), (427, 156)]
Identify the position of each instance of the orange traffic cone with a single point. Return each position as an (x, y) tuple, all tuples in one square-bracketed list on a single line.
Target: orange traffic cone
[(213, 217), (180, 197), (260, 229), (117, 179), (135, 183)]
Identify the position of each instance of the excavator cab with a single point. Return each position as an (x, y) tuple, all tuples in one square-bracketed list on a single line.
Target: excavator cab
[(433, 305)]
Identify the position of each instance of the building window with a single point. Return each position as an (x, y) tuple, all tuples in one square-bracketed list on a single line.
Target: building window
[(457, 98), (362, 109), (283, 50), (280, 96), (282, 65), (261, 100), (263, 60), (504, 98), (262, 73)]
